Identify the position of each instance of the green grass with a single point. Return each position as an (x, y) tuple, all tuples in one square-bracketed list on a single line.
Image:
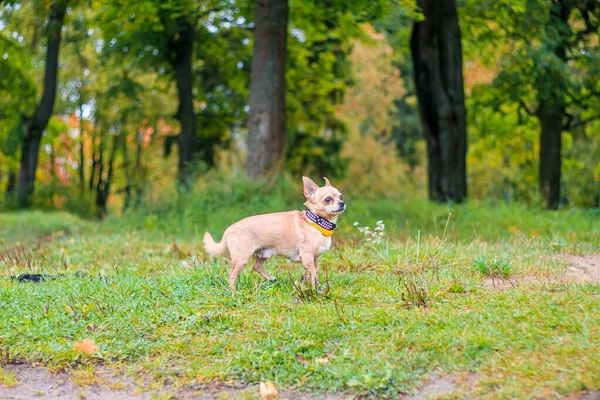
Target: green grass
[(494, 268), (27, 228), (397, 312)]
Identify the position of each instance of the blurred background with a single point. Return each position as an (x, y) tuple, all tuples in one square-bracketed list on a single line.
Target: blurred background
[(108, 106)]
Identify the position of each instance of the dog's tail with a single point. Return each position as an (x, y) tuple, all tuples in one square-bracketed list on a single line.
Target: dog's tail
[(213, 248)]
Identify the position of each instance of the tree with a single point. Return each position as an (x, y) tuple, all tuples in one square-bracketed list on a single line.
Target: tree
[(437, 62), (267, 117), (181, 45), (17, 92), (34, 125), (552, 108), (549, 68), (553, 92), (163, 36)]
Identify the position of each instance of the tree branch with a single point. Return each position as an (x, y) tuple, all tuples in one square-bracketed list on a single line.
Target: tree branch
[(583, 122), (527, 110)]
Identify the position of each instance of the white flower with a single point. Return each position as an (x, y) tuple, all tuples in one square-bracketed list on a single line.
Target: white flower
[(356, 223)]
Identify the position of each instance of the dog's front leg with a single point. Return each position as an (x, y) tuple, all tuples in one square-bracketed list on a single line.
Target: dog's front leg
[(316, 263), (308, 261)]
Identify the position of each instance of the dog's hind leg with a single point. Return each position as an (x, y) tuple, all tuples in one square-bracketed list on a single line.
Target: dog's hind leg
[(237, 265), (258, 267), (239, 259)]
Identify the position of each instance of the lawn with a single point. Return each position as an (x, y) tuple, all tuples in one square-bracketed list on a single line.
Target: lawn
[(483, 295)]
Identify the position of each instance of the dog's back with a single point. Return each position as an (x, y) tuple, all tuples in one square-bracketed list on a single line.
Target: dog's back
[(258, 232)]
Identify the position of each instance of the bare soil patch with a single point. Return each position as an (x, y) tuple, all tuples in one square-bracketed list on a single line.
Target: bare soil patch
[(582, 268), (499, 283), (40, 383), (436, 386), (590, 396), (439, 385)]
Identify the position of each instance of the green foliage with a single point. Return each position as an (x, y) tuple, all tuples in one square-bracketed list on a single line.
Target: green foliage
[(406, 131), (519, 43), (17, 95), (116, 78), (318, 74)]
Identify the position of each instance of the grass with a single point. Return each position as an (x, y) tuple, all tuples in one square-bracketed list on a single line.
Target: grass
[(7, 378), (397, 312), (494, 268)]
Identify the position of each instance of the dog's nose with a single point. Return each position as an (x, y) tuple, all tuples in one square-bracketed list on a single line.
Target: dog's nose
[(341, 203)]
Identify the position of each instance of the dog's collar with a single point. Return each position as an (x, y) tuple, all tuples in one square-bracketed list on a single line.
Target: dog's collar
[(320, 223)]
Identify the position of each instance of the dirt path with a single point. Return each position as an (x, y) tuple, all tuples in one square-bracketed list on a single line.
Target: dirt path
[(39, 383)]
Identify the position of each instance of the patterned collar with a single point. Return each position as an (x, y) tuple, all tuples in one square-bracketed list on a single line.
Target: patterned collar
[(320, 223)]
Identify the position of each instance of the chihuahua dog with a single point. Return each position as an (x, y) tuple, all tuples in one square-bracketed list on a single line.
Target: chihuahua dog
[(298, 235)]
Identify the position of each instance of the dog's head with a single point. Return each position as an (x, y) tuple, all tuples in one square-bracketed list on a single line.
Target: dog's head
[(325, 201)]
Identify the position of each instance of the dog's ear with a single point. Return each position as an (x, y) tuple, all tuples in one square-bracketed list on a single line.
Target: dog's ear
[(327, 182), (309, 187)]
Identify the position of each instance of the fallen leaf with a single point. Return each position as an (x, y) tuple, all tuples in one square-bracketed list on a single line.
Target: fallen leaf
[(268, 391), (513, 229), (86, 346)]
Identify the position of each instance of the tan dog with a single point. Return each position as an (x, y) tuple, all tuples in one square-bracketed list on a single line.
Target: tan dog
[(298, 235)]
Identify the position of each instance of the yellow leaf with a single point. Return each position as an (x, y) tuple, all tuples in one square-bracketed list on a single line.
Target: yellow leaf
[(513, 229), (86, 346), (268, 391)]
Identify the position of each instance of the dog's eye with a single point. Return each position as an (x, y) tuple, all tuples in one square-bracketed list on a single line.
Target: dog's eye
[(341, 197), (328, 200)]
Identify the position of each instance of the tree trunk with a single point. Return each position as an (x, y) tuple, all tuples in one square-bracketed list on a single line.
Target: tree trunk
[(11, 184), (437, 60), (94, 155), (551, 110), (551, 117), (81, 151), (266, 119), (183, 48), (138, 169), (103, 189), (99, 182), (36, 124), (128, 177)]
